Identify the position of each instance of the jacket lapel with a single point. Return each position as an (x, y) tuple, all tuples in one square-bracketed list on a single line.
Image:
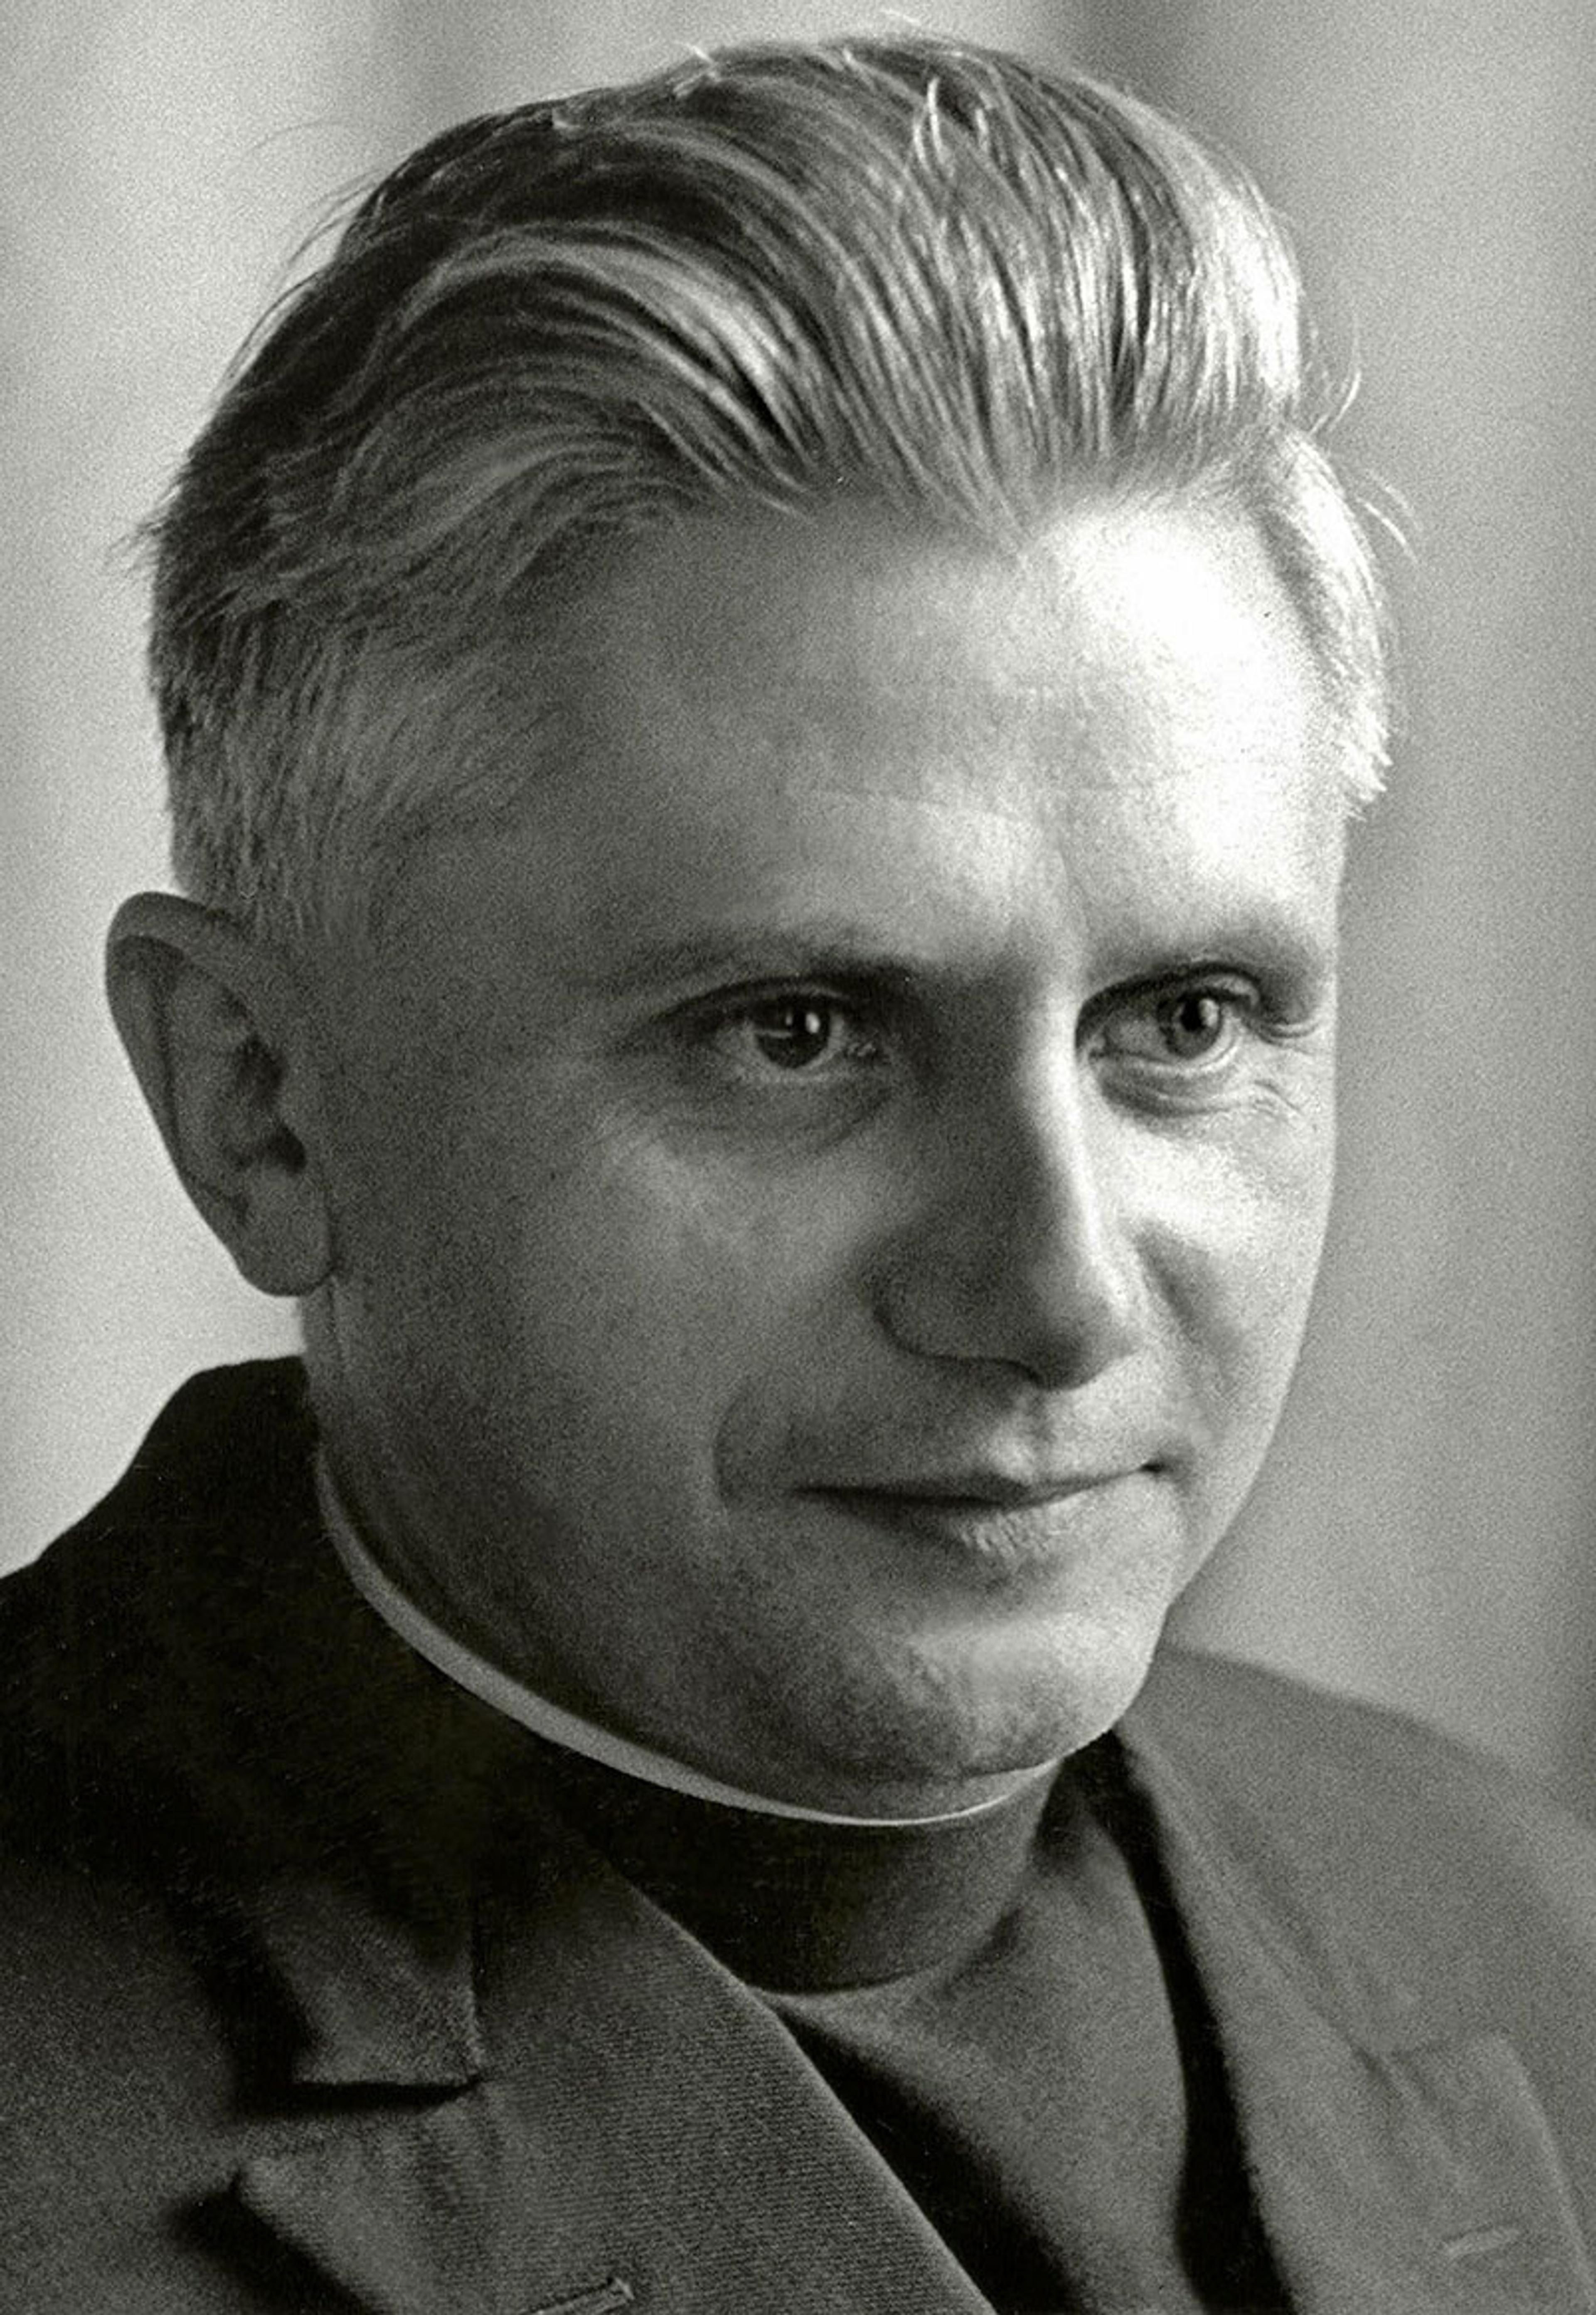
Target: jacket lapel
[(1395, 2173), (606, 2112)]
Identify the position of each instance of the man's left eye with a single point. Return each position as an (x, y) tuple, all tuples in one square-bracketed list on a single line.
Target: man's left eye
[(1192, 1027)]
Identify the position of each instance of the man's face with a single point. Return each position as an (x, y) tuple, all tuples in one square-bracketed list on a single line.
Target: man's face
[(825, 1205)]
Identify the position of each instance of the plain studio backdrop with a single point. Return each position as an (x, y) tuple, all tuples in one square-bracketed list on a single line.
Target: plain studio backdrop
[(1423, 1533)]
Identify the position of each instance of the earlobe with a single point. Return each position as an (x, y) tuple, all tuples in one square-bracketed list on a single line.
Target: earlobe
[(219, 1049)]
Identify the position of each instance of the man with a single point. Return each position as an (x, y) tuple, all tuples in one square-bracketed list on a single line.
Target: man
[(763, 680)]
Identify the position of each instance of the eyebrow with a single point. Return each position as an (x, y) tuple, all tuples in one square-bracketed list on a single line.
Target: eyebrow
[(824, 948), (821, 949), (1258, 931)]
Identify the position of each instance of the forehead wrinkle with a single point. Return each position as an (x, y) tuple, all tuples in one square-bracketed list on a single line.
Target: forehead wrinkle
[(751, 948), (867, 663), (858, 703), (938, 746), (829, 869)]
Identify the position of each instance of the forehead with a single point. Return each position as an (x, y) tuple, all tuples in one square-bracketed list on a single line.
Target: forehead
[(765, 722), (1124, 634)]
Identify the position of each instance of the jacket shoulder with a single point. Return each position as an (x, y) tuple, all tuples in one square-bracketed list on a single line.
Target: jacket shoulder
[(1462, 1869), (126, 1632)]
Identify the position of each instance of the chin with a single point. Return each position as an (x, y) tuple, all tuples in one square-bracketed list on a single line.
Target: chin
[(930, 1720)]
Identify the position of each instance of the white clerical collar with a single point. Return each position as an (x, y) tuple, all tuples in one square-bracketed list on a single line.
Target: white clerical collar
[(552, 1722)]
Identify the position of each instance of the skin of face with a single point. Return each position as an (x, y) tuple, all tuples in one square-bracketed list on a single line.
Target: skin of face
[(825, 1202)]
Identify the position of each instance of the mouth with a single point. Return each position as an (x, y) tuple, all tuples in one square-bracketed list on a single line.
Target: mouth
[(1002, 1525)]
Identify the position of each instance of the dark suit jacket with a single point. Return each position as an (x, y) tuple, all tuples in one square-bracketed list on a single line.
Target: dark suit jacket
[(304, 2005)]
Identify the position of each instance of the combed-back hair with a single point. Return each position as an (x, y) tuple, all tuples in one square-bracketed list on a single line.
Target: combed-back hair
[(915, 272)]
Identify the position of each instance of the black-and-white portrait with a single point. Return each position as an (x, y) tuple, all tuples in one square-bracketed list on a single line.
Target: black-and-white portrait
[(798, 1109)]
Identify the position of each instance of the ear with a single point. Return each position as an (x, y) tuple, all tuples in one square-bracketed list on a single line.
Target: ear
[(219, 1039)]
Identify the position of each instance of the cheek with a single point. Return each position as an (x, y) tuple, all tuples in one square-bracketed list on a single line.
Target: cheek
[(1235, 1274), (595, 1268), (1238, 1258)]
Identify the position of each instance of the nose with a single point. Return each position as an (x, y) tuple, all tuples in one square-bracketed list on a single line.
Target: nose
[(1021, 1255)]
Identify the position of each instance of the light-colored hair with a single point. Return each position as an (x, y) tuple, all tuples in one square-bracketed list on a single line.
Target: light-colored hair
[(921, 273)]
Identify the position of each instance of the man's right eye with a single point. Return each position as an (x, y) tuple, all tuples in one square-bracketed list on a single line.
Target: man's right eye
[(805, 1032)]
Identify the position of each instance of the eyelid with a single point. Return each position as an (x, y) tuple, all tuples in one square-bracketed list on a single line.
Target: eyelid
[(734, 1004), (1228, 981)]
